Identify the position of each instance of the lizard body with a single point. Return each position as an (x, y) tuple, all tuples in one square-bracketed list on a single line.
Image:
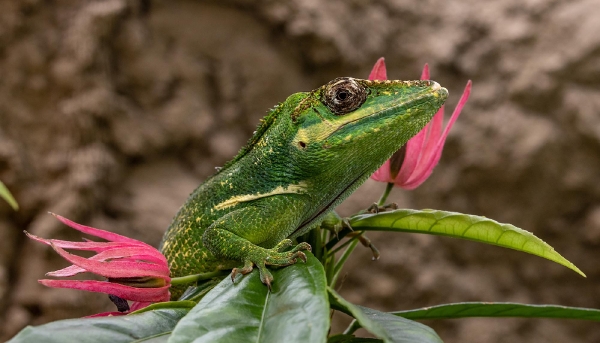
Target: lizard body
[(307, 155)]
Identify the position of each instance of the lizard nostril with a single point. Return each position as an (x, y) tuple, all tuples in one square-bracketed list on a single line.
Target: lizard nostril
[(302, 144)]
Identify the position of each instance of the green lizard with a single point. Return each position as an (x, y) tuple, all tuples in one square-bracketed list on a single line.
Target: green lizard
[(307, 155)]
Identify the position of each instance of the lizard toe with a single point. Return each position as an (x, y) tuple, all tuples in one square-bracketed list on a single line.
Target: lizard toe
[(246, 269), (265, 275), (302, 246), (284, 244)]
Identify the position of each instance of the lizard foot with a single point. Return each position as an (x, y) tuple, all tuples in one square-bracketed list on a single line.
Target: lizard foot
[(376, 208), (261, 258), (366, 242)]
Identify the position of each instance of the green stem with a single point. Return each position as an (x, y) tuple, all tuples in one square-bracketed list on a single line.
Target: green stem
[(385, 194), (329, 265), (340, 263), (318, 245), (352, 328), (333, 241), (196, 277), (333, 251)]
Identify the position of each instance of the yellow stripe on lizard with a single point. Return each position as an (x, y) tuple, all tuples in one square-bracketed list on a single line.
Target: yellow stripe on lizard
[(291, 189)]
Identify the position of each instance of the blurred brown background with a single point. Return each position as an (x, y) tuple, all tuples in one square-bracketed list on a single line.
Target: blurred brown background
[(113, 111)]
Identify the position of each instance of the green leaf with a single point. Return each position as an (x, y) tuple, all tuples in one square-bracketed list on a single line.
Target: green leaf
[(384, 325), (351, 339), (296, 310), (160, 338), (143, 327), (5, 194), (458, 225), (481, 309)]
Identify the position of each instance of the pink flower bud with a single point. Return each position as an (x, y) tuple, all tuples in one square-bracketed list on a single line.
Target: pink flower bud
[(410, 166), (134, 270)]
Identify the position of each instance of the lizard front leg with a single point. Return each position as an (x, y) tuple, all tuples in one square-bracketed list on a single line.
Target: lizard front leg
[(245, 235)]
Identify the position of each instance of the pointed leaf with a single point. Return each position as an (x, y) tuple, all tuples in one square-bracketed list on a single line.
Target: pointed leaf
[(384, 325), (5, 194), (296, 310), (123, 329), (458, 225), (481, 309)]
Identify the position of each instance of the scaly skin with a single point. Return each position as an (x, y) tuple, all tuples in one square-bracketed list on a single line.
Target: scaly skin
[(309, 154)]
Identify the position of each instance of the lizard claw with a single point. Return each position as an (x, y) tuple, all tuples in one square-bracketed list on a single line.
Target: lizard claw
[(376, 208), (265, 275), (272, 257), (302, 246), (267, 282), (247, 268), (301, 256), (366, 242)]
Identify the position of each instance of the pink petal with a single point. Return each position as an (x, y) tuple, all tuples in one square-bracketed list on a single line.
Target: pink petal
[(109, 236), (122, 291), (383, 173), (134, 253), (414, 146), (89, 245), (379, 71), (427, 168), (115, 269), (425, 73), (66, 272), (128, 254), (428, 151)]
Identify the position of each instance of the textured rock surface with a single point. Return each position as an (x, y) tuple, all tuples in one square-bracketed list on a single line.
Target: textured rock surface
[(112, 111)]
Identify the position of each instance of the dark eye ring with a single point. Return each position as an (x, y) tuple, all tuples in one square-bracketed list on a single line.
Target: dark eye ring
[(343, 95)]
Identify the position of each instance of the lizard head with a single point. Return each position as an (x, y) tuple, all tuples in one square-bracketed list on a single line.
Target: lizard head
[(358, 124)]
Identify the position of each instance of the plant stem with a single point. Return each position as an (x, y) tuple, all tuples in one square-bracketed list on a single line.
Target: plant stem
[(333, 251), (340, 263), (385, 194), (329, 267), (196, 277), (334, 240), (318, 245)]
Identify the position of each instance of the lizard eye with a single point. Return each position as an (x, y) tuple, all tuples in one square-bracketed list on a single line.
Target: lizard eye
[(343, 95)]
